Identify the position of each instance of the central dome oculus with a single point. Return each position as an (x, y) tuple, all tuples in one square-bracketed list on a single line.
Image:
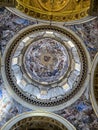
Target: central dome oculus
[(46, 60)]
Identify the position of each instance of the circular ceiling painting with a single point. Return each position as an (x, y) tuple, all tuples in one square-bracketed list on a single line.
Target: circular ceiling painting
[(46, 60), (45, 66)]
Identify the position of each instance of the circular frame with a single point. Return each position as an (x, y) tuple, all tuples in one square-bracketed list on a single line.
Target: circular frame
[(25, 16), (41, 114), (92, 96), (54, 108)]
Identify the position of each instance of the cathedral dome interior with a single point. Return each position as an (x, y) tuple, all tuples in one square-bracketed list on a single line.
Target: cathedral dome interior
[(48, 65)]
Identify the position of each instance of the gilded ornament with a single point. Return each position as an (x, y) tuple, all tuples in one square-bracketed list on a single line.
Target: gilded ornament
[(53, 5), (55, 10)]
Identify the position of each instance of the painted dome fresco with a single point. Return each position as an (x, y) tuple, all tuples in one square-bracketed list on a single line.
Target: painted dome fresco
[(45, 66)]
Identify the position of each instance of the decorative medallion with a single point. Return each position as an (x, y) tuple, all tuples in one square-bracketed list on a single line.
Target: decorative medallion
[(45, 66), (38, 120), (53, 5)]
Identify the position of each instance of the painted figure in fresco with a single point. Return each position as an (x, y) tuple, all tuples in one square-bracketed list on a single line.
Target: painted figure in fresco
[(46, 60)]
